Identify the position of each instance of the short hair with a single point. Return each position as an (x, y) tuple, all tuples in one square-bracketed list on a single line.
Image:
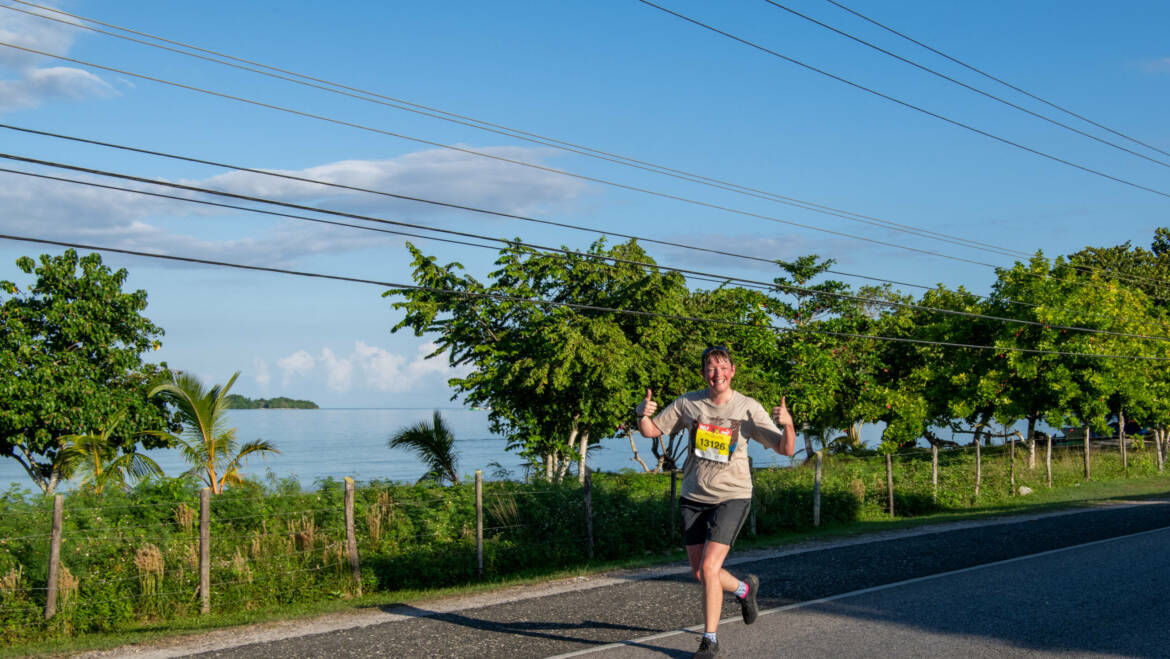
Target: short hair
[(716, 351)]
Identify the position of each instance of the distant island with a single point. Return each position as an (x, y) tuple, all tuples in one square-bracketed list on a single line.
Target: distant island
[(237, 402)]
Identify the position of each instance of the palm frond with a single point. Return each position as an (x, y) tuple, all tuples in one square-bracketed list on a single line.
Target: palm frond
[(434, 444)]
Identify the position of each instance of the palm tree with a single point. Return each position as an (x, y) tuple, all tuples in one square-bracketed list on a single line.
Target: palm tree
[(92, 457), (207, 443), (434, 444)]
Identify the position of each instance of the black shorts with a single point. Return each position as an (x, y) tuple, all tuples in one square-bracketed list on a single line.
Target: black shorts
[(714, 522)]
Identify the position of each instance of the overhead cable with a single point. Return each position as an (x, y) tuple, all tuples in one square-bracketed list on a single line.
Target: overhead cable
[(552, 250), (451, 205), (999, 80), (568, 305), (552, 170), (464, 120), (547, 141), (972, 88), (906, 104)]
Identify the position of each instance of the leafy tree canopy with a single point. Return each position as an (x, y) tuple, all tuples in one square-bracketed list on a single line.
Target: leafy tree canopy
[(71, 349)]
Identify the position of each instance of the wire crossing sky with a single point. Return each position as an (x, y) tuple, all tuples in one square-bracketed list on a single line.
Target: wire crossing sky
[(612, 93)]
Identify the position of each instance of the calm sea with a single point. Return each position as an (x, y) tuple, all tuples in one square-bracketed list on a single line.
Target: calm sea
[(335, 443)]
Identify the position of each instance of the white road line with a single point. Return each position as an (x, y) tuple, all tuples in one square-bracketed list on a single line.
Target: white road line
[(873, 589)]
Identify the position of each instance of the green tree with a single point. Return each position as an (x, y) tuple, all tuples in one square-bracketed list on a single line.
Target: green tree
[(555, 377), (434, 444), (93, 459), (71, 349), (208, 445)]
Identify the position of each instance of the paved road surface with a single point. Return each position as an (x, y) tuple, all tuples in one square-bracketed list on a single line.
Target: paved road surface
[(1107, 598)]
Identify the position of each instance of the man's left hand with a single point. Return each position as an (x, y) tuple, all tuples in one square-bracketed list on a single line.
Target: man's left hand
[(780, 414)]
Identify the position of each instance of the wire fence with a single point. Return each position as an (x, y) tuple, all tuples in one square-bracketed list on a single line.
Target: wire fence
[(387, 536)]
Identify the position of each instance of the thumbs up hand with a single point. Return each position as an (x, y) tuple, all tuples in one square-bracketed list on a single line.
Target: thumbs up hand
[(780, 414), (647, 407)]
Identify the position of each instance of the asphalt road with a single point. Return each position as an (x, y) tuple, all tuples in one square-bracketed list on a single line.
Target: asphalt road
[(1103, 599)]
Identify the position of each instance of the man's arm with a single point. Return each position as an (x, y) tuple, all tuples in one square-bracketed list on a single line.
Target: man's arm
[(644, 411), (787, 443)]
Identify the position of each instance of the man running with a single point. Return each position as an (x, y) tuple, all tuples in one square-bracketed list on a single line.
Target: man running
[(717, 483)]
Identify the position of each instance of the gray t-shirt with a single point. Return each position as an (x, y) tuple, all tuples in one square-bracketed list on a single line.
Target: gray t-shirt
[(716, 468)]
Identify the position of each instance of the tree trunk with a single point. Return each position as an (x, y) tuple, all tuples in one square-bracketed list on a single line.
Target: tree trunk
[(1031, 443), (808, 445), (27, 462), (548, 466), (581, 468), (634, 448), (563, 463)]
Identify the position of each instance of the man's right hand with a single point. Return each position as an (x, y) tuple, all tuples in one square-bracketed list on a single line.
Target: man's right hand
[(647, 407)]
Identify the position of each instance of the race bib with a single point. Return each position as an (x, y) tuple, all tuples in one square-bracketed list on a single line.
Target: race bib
[(714, 443)]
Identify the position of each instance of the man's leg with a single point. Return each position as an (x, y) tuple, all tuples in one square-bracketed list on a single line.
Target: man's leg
[(707, 565)]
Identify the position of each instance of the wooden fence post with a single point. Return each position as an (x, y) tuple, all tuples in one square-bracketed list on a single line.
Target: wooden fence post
[(752, 507), (589, 510), (1121, 441), (205, 550), (817, 492), (673, 499), (1048, 460), (934, 471), (1012, 464), (1088, 459), (479, 522), (890, 480), (351, 537), (978, 465), (1158, 446), (54, 557)]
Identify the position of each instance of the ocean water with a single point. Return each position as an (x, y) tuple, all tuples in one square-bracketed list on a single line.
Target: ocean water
[(335, 443)]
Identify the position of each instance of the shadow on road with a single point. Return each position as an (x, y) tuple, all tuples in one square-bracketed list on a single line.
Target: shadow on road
[(547, 629)]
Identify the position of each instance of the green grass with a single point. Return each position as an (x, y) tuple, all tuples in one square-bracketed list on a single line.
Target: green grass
[(545, 529)]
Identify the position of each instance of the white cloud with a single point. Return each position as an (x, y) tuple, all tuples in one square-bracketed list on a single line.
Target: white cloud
[(298, 363), (54, 209), (338, 371), (34, 83), (262, 376), (1159, 65), (371, 368), (441, 174), (38, 85)]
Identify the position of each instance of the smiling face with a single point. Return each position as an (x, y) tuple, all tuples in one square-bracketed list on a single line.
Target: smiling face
[(718, 371)]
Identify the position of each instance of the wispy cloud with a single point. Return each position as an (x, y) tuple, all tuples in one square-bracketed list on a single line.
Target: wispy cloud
[(30, 81), (440, 174), (368, 368), (54, 209), (1158, 65)]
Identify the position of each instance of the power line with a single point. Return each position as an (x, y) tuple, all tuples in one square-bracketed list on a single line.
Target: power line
[(464, 120), (519, 134), (906, 104), (443, 204), (632, 188), (293, 177), (569, 305), (972, 88), (999, 80), (707, 276), (520, 163)]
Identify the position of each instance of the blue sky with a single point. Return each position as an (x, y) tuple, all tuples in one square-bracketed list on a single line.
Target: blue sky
[(619, 76)]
